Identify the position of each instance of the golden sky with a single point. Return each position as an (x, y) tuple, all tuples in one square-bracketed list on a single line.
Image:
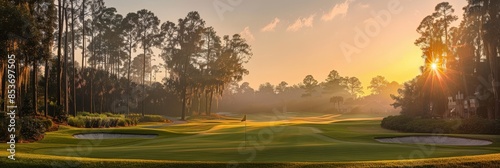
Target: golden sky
[(294, 38)]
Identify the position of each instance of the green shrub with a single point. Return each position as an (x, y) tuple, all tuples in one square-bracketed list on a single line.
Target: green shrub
[(87, 123), (95, 122), (76, 122), (113, 122), (152, 118), (31, 128), (134, 119), (4, 134), (122, 122), (108, 114), (128, 121), (108, 122), (134, 122), (472, 125), (47, 123), (134, 116), (88, 114), (476, 125), (80, 122), (72, 121), (396, 122), (92, 122), (105, 122), (83, 113)]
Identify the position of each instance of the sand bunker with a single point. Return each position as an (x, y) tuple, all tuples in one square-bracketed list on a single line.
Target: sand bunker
[(113, 136), (436, 140)]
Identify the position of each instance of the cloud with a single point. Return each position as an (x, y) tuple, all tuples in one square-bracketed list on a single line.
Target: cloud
[(270, 27), (364, 5), (337, 10), (301, 23), (247, 34)]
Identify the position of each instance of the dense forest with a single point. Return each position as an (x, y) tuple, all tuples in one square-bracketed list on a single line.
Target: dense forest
[(460, 76), (44, 36)]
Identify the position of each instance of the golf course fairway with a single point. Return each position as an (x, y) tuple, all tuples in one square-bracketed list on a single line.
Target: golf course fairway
[(322, 141)]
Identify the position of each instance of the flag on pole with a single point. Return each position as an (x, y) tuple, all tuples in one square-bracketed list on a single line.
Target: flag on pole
[(244, 118)]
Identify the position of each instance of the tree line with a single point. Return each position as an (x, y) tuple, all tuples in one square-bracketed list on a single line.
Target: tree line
[(461, 64), (336, 94), (45, 34)]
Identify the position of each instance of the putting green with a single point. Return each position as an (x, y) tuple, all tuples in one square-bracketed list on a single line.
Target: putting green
[(328, 138)]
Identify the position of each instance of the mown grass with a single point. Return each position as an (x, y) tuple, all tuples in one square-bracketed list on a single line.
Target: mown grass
[(280, 143)]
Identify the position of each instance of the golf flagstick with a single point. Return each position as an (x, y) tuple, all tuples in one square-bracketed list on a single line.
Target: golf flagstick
[(245, 119)]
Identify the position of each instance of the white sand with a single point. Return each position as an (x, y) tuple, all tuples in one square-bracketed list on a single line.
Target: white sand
[(435, 140), (112, 136)]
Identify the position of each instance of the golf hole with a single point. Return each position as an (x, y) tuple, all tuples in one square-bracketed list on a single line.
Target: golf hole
[(435, 140), (113, 136)]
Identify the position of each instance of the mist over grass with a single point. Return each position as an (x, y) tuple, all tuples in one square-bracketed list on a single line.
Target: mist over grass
[(318, 103)]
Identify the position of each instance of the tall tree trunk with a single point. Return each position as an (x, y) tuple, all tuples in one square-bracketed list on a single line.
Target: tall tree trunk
[(143, 70), (102, 101), (446, 38), (59, 40), (92, 91), (66, 88), (184, 85), (46, 92), (210, 104), (207, 101), (106, 62), (118, 70), (35, 87), (73, 54), (83, 53), (21, 86), (183, 95), (92, 69), (2, 84), (128, 74), (198, 96)]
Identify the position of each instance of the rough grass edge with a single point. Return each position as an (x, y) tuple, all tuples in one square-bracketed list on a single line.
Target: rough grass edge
[(30, 160)]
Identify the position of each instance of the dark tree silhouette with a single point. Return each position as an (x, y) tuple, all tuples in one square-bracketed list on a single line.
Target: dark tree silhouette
[(309, 85), (377, 84), (148, 31)]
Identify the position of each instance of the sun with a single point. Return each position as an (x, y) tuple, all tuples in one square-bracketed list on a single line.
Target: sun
[(434, 66)]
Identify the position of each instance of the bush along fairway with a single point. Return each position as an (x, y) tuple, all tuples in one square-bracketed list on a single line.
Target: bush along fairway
[(106, 120)]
